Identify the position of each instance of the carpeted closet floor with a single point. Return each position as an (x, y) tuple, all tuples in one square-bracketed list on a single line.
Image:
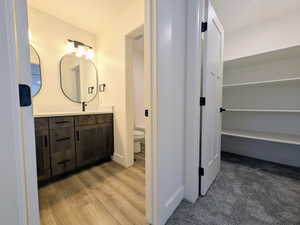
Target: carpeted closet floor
[(246, 192)]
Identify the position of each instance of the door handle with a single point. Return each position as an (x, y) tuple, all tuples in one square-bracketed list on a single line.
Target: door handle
[(222, 109), (63, 139), (61, 122)]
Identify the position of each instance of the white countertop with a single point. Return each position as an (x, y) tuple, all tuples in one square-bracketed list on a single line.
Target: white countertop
[(103, 110)]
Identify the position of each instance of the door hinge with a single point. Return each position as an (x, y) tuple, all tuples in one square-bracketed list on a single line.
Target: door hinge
[(203, 27), (24, 95), (201, 171), (202, 101), (146, 113)]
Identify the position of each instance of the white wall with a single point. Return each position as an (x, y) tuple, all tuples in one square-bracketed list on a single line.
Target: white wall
[(49, 38), (278, 33), (111, 63), (138, 83)]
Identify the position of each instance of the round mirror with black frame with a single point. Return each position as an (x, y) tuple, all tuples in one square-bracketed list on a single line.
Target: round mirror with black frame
[(78, 78), (36, 71)]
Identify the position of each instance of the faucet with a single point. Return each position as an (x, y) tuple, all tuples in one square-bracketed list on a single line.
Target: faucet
[(84, 105)]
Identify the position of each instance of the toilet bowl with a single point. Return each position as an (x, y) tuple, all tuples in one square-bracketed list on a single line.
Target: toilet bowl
[(139, 139)]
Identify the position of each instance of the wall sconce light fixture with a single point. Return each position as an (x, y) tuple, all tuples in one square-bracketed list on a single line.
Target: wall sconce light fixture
[(80, 49)]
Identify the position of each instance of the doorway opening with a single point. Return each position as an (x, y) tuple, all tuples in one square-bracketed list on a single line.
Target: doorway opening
[(86, 172), (138, 96), (135, 87)]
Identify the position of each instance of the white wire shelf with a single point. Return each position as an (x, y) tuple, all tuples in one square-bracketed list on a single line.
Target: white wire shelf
[(264, 110), (262, 83)]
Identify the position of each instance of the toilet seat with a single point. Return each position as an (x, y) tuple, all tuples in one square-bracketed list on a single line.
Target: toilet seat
[(139, 134)]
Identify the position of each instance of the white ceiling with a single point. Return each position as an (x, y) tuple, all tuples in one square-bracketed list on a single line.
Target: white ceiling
[(236, 14), (90, 15), (95, 15)]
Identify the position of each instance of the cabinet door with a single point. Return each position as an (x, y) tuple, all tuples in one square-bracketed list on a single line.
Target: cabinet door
[(42, 154), (109, 139), (88, 144)]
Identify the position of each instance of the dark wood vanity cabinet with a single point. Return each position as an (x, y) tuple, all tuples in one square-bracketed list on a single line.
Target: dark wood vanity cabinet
[(66, 143), (42, 142)]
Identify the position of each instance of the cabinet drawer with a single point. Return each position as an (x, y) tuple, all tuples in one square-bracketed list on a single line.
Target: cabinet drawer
[(104, 118), (63, 162), (64, 121), (85, 120), (41, 123), (62, 139)]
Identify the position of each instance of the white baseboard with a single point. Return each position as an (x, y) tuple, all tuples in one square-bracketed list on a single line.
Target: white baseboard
[(172, 204), (119, 159)]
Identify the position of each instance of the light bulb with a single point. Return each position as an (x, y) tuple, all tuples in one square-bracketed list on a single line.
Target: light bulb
[(80, 51), (70, 47), (90, 53)]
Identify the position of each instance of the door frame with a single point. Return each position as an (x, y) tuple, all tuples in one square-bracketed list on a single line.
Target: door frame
[(129, 55), (15, 13), (28, 177), (196, 9), (148, 29)]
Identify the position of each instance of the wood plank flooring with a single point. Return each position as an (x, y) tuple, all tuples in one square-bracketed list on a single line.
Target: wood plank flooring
[(107, 194)]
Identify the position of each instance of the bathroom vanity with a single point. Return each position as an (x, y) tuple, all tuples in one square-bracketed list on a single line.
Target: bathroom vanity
[(65, 143)]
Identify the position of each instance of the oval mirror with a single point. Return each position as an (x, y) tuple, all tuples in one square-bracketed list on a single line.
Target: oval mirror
[(79, 78), (35, 71)]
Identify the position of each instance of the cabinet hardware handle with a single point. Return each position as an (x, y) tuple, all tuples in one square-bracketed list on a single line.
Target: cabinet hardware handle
[(46, 141), (77, 135), (63, 139), (61, 122), (64, 162)]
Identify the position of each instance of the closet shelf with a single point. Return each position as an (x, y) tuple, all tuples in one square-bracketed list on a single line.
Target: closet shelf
[(272, 137), (260, 83), (271, 56), (263, 110)]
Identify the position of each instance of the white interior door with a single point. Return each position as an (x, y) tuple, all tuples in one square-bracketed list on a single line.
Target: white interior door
[(212, 91), (19, 196)]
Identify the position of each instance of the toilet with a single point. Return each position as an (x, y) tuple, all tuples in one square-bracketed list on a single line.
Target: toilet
[(139, 140)]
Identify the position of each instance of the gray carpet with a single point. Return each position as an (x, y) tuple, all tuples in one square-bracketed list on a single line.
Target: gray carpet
[(246, 192)]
